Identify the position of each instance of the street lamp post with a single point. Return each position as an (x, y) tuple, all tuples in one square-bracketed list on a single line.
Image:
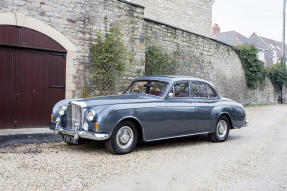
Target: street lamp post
[(283, 32), (283, 48)]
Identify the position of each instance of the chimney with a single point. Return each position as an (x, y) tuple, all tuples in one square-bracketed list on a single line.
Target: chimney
[(216, 29)]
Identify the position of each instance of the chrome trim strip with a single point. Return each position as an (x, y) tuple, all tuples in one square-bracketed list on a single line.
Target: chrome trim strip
[(178, 136), (93, 136), (82, 134), (82, 104)]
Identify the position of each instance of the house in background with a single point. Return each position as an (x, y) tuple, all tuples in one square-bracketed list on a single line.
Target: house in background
[(273, 48), (270, 51), (231, 38)]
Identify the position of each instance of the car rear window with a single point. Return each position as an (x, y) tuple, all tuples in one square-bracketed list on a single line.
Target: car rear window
[(199, 89)]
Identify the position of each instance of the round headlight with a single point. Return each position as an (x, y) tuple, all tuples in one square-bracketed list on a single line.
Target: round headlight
[(90, 116), (62, 110)]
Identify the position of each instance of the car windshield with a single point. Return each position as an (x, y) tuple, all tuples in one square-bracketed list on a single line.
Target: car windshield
[(155, 88)]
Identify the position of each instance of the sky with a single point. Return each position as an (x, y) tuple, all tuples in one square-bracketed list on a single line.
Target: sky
[(247, 16)]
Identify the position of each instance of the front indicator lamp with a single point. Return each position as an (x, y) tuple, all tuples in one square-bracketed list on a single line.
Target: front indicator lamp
[(96, 126)]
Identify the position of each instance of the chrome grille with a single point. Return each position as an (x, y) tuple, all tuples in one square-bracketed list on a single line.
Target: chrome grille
[(74, 115)]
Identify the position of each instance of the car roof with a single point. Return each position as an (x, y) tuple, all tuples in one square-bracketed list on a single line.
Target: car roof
[(169, 78)]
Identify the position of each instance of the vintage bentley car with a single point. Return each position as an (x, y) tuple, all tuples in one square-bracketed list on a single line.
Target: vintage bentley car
[(152, 108)]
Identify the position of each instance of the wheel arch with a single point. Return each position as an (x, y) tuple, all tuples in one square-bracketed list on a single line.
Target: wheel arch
[(138, 124), (228, 117)]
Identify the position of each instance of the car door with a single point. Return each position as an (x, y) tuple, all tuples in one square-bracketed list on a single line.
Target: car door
[(205, 98), (180, 110)]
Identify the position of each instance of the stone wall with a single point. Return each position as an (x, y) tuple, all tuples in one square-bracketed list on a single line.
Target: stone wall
[(208, 59), (264, 94), (79, 22), (129, 17), (192, 15), (201, 57)]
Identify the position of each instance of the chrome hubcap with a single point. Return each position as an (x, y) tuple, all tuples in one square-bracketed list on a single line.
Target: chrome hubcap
[(125, 137), (221, 128)]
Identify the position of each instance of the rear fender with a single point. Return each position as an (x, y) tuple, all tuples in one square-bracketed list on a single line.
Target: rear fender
[(217, 113)]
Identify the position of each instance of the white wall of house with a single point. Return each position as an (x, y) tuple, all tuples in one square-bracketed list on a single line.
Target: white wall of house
[(275, 57), (261, 56)]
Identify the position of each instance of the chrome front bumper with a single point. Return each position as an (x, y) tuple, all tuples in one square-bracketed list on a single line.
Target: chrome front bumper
[(81, 134), (246, 122)]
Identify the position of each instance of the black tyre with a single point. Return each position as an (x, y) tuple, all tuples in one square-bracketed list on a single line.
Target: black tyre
[(222, 130), (124, 138)]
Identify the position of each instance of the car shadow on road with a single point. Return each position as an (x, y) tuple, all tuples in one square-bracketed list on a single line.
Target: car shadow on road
[(94, 146), (180, 142), (176, 142)]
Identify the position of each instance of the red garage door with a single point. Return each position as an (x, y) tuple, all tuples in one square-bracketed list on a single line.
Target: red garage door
[(32, 77)]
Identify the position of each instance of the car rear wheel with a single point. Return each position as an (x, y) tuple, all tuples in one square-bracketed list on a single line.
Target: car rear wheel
[(222, 130), (124, 138)]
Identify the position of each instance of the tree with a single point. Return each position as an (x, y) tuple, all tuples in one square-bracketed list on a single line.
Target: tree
[(159, 62), (109, 56), (254, 69), (278, 75)]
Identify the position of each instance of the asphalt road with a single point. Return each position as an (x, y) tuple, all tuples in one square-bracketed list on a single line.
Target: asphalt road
[(253, 158)]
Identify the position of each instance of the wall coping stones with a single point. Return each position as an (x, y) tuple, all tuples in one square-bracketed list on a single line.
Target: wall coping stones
[(184, 30), (130, 3)]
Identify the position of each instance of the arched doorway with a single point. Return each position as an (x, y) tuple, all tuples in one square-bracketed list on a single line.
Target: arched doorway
[(32, 77)]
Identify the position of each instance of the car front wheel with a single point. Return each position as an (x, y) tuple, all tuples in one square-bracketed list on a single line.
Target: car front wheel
[(222, 130), (124, 138)]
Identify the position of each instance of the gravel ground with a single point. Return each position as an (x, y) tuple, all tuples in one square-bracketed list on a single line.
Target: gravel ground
[(253, 158)]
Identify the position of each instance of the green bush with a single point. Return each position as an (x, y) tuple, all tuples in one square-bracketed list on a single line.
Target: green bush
[(109, 55), (254, 69), (159, 62), (278, 75)]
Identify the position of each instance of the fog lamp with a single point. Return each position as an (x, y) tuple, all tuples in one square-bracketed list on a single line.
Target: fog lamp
[(86, 126), (58, 120)]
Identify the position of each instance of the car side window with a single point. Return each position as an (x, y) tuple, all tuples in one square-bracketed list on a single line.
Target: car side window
[(199, 89), (181, 90), (211, 92)]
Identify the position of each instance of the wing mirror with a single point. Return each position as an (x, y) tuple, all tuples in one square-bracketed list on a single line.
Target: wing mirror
[(170, 95)]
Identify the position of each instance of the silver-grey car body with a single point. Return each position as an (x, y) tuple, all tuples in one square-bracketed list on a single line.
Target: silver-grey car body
[(156, 117)]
